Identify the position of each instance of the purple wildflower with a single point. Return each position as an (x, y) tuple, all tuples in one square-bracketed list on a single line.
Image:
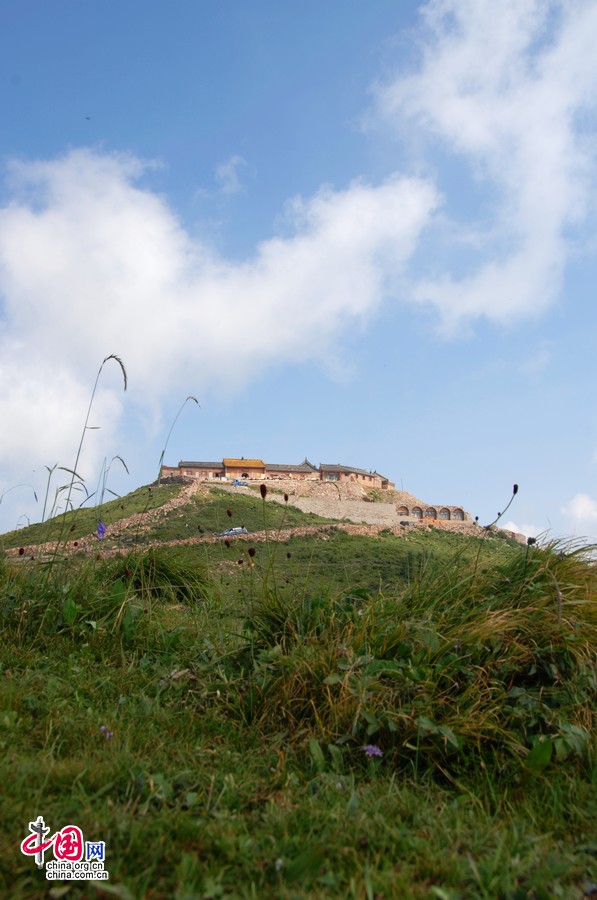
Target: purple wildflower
[(101, 530), (372, 750), (106, 732)]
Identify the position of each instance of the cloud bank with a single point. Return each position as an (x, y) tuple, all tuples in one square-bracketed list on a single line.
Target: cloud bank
[(581, 509), (510, 88), (525, 528), (92, 263)]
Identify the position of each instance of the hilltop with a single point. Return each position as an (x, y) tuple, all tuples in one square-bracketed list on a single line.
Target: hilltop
[(184, 511), (318, 707)]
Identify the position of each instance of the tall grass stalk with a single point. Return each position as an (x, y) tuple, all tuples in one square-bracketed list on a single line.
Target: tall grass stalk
[(89, 408), (163, 453), (102, 487), (487, 528)]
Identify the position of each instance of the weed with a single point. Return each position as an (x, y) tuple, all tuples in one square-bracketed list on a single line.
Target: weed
[(405, 722)]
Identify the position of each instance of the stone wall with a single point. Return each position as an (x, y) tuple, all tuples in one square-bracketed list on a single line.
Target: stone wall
[(349, 500), (354, 510)]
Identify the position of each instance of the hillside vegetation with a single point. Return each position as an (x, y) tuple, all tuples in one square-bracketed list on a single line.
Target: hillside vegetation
[(297, 713)]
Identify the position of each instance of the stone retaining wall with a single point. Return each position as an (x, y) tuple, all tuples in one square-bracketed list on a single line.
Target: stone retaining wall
[(358, 511)]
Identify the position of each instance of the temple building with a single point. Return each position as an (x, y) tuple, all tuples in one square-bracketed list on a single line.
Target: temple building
[(234, 469)]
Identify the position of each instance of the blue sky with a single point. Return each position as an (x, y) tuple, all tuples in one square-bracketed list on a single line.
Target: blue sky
[(361, 233)]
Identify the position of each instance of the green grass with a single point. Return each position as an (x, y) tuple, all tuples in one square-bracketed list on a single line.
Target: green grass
[(83, 521), (209, 514), (204, 514), (240, 698)]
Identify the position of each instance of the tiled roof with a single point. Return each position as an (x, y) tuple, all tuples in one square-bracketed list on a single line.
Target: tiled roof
[(200, 465), (279, 467), (305, 467), (325, 467), (245, 463)]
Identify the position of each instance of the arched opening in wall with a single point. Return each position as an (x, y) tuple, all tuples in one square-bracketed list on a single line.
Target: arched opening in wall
[(245, 475), (458, 514), (444, 513), (417, 512), (430, 513), (402, 510)]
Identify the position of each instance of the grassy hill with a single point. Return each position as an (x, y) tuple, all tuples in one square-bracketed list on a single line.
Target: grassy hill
[(147, 515), (75, 524), (305, 713)]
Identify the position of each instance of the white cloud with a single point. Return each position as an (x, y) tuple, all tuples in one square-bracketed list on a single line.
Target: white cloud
[(228, 174), (91, 263), (505, 85), (581, 508), (538, 362), (525, 528)]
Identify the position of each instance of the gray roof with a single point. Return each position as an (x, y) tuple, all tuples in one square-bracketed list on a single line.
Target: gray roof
[(201, 465), (280, 467), (326, 467)]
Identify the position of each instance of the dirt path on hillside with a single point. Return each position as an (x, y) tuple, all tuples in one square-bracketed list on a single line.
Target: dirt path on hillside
[(89, 545), (335, 501)]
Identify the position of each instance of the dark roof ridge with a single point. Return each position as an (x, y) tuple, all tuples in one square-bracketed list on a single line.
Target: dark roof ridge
[(337, 467), (206, 465)]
